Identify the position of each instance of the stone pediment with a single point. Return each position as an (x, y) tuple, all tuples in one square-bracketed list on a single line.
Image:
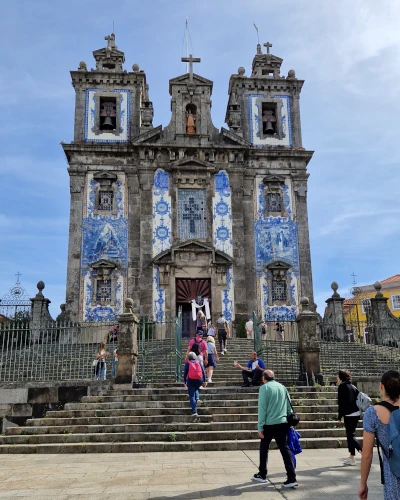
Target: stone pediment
[(274, 179), (195, 248), (191, 163), (103, 264), (104, 176), (234, 138), (278, 265), (183, 79), (103, 52), (149, 136)]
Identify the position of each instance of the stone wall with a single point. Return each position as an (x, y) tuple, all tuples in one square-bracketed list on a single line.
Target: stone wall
[(24, 400)]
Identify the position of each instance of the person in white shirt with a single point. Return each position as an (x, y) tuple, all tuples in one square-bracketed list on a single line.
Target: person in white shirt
[(249, 329)]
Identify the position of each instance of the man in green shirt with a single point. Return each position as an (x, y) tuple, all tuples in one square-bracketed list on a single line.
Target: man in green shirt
[(273, 409)]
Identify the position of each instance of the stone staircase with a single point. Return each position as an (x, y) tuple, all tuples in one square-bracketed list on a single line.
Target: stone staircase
[(157, 417)]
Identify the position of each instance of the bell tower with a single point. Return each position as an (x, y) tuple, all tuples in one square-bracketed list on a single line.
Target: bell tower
[(110, 101), (264, 108)]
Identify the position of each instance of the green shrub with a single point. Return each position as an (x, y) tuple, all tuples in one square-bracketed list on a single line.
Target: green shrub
[(241, 329)]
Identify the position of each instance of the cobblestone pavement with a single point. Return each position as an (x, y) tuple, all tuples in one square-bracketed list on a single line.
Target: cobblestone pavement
[(190, 475)]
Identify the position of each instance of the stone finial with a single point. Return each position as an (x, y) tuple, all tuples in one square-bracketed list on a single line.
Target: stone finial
[(291, 74), (82, 66), (335, 287), (305, 304), (62, 307), (259, 49), (128, 306), (135, 68), (40, 287), (241, 70), (378, 288)]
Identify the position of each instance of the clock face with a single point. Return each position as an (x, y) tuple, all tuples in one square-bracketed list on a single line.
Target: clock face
[(255, 122)]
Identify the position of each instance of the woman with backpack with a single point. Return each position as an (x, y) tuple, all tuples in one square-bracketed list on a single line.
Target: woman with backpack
[(382, 421), (212, 357), (194, 377), (349, 411)]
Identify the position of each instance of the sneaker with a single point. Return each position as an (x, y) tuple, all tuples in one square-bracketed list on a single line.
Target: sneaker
[(259, 478), (349, 461), (198, 402), (195, 414), (222, 353), (290, 484), (209, 380), (225, 349)]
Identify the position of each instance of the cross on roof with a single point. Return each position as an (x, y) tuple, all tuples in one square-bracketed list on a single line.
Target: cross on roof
[(18, 274), (353, 275), (191, 60), (268, 45)]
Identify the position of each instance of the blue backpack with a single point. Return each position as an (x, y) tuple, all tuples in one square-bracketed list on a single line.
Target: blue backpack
[(393, 453)]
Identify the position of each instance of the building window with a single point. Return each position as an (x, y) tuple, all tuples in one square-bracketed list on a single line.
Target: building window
[(395, 299), (108, 113), (274, 202), (269, 121), (192, 218), (279, 290), (366, 306), (105, 199), (103, 292), (104, 283)]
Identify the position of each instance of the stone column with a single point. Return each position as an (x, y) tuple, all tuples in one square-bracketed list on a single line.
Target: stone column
[(77, 183), (308, 342), (40, 315), (306, 285), (333, 327), (383, 326), (127, 345)]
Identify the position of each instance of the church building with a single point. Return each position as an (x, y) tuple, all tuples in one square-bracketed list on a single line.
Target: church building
[(168, 215)]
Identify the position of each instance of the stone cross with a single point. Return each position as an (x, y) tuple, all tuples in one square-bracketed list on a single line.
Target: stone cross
[(18, 275), (191, 60), (353, 275), (268, 45), (110, 41)]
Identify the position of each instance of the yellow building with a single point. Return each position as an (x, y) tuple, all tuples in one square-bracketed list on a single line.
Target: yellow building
[(356, 308)]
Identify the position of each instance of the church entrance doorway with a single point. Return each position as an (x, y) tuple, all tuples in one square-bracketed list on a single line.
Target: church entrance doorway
[(186, 291)]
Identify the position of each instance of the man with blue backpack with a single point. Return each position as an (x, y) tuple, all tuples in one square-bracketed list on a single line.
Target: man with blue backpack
[(194, 377), (382, 421)]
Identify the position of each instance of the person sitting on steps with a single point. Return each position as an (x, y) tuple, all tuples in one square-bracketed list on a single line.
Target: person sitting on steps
[(253, 370)]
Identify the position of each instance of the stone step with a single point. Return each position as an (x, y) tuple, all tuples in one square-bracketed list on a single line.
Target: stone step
[(205, 396), (72, 427), (195, 435), (160, 446)]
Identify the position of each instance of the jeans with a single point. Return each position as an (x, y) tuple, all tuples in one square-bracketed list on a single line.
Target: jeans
[(350, 424), (193, 391), (114, 368), (255, 376), (222, 334), (279, 432), (101, 370)]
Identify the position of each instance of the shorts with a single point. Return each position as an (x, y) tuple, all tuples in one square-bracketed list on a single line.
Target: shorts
[(211, 360)]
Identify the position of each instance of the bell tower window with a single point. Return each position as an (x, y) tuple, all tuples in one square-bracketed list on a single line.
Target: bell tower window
[(103, 291), (269, 121), (274, 202), (108, 113), (273, 196), (106, 200)]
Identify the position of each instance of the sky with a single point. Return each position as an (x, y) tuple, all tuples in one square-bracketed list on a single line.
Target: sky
[(346, 51)]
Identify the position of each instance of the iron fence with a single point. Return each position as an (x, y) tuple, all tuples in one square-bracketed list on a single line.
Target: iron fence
[(276, 342), (51, 351), (363, 347)]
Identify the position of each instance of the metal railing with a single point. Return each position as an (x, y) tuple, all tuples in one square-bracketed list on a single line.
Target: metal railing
[(364, 348), (159, 350), (277, 343), (51, 351)]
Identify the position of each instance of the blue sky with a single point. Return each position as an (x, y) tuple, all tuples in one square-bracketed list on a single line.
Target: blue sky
[(347, 51)]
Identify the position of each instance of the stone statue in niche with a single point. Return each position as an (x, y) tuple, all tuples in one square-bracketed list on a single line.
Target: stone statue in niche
[(269, 122), (190, 122)]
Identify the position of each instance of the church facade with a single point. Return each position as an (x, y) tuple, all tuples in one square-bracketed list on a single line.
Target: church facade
[(167, 215)]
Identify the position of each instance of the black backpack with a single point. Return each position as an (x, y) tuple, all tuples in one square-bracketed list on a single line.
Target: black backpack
[(196, 348)]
